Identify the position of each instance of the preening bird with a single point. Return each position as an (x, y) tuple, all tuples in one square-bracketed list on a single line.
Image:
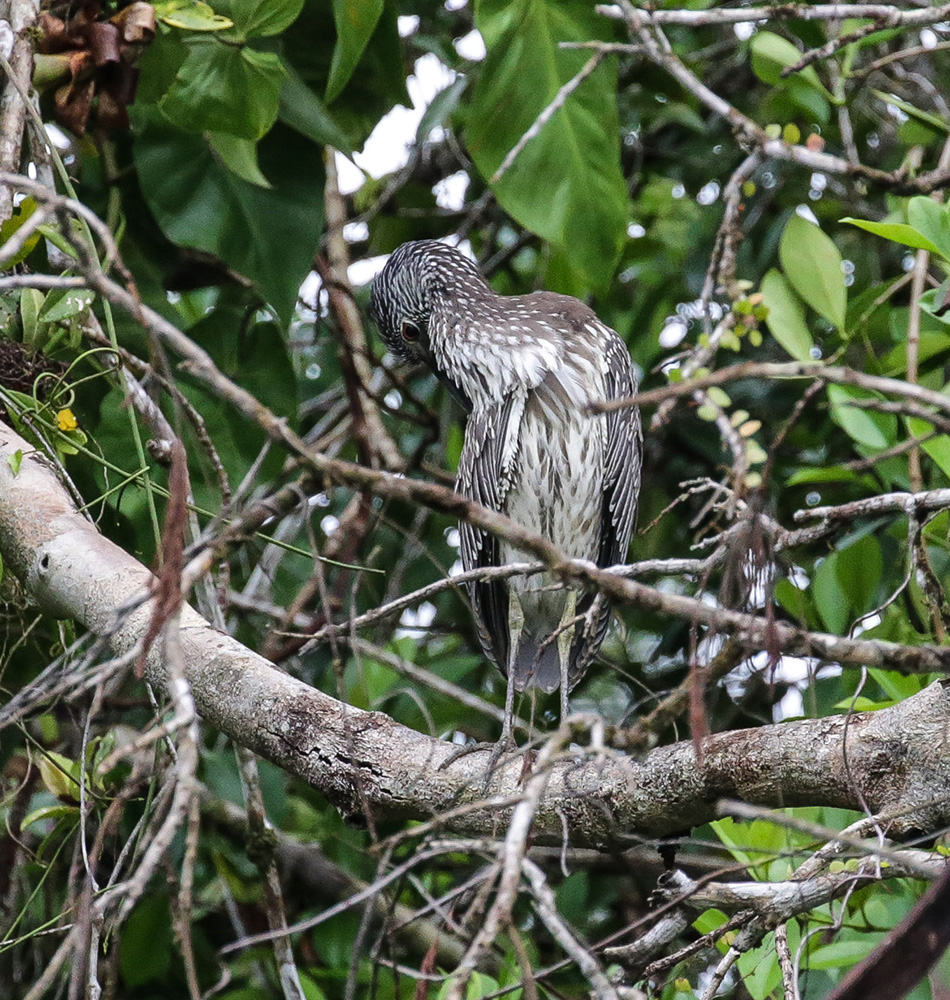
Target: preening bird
[(525, 368)]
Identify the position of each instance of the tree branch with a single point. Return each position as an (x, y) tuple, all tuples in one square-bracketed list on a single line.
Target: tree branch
[(364, 760)]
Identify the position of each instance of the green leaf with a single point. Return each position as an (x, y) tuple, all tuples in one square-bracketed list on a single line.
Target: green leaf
[(441, 108), (15, 461), (807, 99), (709, 920), (861, 704), (932, 221), (771, 54), (934, 303), (59, 241), (761, 973), (896, 686), (829, 598), (146, 949), (842, 953), (898, 232), (225, 88), (873, 430), (191, 15), (60, 775), (62, 303), (31, 302), (815, 475), (937, 448), (786, 318), (793, 600), (302, 110), (355, 21), (49, 812), (260, 18), (239, 156), (812, 264), (859, 568), (20, 214), (479, 987), (268, 235), (575, 158)]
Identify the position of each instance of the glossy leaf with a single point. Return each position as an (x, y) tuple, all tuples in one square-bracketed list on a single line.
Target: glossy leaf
[(191, 15), (239, 156), (786, 318), (225, 88), (303, 111), (812, 263), (260, 18), (269, 235), (575, 158)]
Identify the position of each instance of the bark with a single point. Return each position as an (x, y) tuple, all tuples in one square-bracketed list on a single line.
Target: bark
[(17, 19), (896, 761)]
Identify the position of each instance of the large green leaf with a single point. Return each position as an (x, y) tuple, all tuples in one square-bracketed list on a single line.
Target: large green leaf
[(225, 88), (566, 184), (375, 86), (258, 18), (268, 234), (239, 156), (355, 21), (786, 318), (812, 264), (301, 109)]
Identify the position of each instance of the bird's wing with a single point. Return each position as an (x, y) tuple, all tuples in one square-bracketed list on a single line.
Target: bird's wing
[(623, 457), (622, 461), (485, 468)]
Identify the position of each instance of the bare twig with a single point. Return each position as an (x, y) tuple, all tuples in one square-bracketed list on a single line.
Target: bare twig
[(887, 14)]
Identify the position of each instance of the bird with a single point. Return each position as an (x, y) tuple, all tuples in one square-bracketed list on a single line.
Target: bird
[(526, 369)]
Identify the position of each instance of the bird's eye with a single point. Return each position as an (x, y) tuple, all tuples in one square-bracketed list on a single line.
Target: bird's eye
[(410, 331)]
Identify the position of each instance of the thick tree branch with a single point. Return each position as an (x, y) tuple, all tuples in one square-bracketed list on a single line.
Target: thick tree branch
[(896, 758)]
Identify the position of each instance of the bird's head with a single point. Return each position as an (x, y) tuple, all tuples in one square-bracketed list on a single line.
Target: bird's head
[(418, 278)]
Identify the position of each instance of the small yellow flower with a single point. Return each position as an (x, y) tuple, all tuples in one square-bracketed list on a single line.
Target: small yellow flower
[(66, 420)]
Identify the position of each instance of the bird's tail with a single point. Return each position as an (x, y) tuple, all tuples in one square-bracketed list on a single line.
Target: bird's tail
[(537, 664)]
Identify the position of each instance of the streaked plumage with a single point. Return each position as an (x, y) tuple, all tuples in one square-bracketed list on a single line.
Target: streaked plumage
[(525, 368)]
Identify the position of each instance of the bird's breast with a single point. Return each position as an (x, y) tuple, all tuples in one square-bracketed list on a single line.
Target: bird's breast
[(557, 478)]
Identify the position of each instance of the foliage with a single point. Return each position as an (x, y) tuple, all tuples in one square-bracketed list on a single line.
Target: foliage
[(221, 197)]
